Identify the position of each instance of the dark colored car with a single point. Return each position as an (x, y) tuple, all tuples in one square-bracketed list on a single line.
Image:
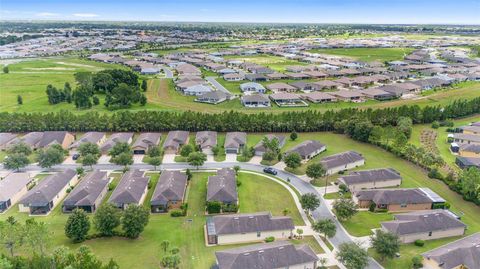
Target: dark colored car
[(269, 170), (75, 156)]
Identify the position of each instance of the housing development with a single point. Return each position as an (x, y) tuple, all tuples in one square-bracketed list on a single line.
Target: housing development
[(147, 144)]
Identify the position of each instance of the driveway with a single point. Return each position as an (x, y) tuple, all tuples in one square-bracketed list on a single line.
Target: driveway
[(217, 85), (230, 157), (104, 159), (168, 158), (69, 160), (137, 158), (168, 72), (210, 158), (255, 160)]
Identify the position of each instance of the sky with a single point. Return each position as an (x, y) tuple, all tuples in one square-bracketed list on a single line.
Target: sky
[(282, 11)]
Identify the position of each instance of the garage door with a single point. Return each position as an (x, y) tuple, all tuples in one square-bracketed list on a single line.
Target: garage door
[(140, 151)]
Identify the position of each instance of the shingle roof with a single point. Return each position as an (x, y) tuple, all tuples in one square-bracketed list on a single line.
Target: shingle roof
[(260, 147), (235, 139), (307, 147), (31, 139), (170, 187), (249, 223), (6, 137), (341, 159), (90, 137), (114, 139), (280, 254), (130, 189), (52, 137), (374, 175), (206, 139), (423, 221), (175, 139), (223, 186), (88, 190), (396, 196), (12, 184), (470, 148), (147, 140)]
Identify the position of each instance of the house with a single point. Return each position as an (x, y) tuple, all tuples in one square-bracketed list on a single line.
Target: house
[(393, 89), (185, 69), (197, 90), (255, 100), (308, 149), (281, 87), (371, 179), (348, 95), (297, 75), (281, 254), (467, 162), (287, 99), (132, 189), (425, 225), (31, 139), (206, 140), (5, 138), (248, 227), (342, 161), (462, 138), (88, 194), (212, 97), (169, 192), (276, 75), (12, 188), (175, 140), (45, 196), (235, 142), (469, 150), (145, 141), (326, 85), (90, 137), (470, 129), (260, 148), (114, 139), (234, 77), (318, 97), (252, 87), (398, 200), (463, 253), (61, 138), (303, 86), (222, 187), (430, 83), (378, 94)]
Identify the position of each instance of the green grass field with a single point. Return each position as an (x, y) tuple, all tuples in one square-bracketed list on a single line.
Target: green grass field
[(276, 63), (368, 54), (364, 221)]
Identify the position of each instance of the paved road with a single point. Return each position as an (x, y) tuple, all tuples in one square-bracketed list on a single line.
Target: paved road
[(168, 72), (303, 187), (217, 85)]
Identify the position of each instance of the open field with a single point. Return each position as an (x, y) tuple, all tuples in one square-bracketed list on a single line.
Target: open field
[(364, 221), (368, 54), (184, 232), (276, 63)]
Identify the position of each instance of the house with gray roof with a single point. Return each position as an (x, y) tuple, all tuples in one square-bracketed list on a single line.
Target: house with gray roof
[(62, 138), (260, 148), (342, 161), (398, 200), (132, 189), (234, 142), (462, 138), (213, 97), (425, 225), (145, 141), (31, 139), (169, 192), (175, 140), (222, 187), (45, 196), (463, 252), (88, 194), (252, 87), (114, 139), (280, 254), (469, 150), (206, 140), (5, 138), (318, 97), (255, 100), (308, 149), (13, 187), (197, 90), (248, 227), (90, 137), (371, 179)]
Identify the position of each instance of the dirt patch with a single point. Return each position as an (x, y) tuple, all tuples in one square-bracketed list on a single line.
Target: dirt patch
[(49, 68), (80, 65)]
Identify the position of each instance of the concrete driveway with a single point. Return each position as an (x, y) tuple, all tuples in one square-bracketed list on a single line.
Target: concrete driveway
[(168, 158), (104, 159), (137, 158), (230, 157), (69, 160)]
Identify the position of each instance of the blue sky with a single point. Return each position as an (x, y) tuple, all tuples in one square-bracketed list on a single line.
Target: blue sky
[(294, 11)]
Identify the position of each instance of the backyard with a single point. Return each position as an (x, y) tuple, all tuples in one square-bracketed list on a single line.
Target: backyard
[(368, 54)]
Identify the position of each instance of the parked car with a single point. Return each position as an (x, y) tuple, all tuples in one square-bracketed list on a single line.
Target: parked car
[(270, 170), (75, 156)]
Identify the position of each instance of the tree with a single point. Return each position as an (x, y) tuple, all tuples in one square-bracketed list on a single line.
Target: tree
[(95, 100), (154, 161), (386, 244), (197, 159), (404, 125), (189, 174), (119, 148), (16, 161), (352, 255), (143, 100), (11, 234), (106, 219), (89, 160), (164, 245), (89, 148), (5, 69), (469, 183), (154, 152), (122, 96), (236, 168), (293, 160), (124, 159), (144, 85), (80, 171), (344, 208), (316, 171), (309, 202), (20, 148), (77, 226), (36, 236), (103, 82), (417, 262), (326, 227), (50, 157), (19, 99), (81, 97), (293, 136), (134, 220), (186, 150)]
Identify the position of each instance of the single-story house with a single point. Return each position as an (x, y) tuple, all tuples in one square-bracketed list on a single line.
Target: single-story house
[(463, 253), (256, 100), (114, 139), (326, 85), (393, 89), (371, 179), (430, 83), (287, 99), (276, 75), (378, 94), (12, 188), (45, 196), (169, 192), (348, 95), (132, 189), (281, 254), (260, 148), (97, 138), (462, 138), (297, 75), (222, 187), (342, 161), (303, 86), (197, 90), (212, 97), (175, 140), (61, 138), (248, 227), (206, 140), (5, 138), (471, 129), (398, 200), (425, 225), (252, 87), (315, 74), (89, 193), (308, 149), (31, 139), (256, 77), (318, 97), (281, 87), (466, 162), (469, 150), (234, 142), (234, 77), (145, 141)]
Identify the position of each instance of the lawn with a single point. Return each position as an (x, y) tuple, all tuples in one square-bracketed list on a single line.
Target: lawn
[(276, 63), (364, 221), (368, 54), (184, 232)]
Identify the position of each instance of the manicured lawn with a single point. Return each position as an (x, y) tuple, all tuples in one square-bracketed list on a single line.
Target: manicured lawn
[(311, 241), (337, 195), (368, 54), (364, 221), (274, 62), (220, 157)]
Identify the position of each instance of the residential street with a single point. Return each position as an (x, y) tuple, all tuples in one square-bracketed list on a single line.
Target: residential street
[(217, 85)]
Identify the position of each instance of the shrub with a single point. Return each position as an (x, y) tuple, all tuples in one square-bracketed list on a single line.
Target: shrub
[(417, 262), (269, 156), (343, 188), (419, 243), (239, 183), (176, 213), (372, 207), (269, 239), (435, 125), (214, 207), (381, 210), (230, 208), (341, 172), (434, 173)]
